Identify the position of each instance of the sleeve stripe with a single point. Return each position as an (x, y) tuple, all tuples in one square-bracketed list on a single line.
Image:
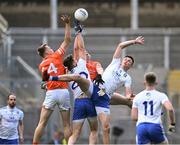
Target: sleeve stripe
[(61, 51)]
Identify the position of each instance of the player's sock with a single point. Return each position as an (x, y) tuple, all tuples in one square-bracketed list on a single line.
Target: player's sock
[(35, 143)]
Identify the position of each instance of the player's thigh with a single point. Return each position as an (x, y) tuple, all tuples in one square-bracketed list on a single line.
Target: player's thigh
[(63, 99), (104, 119), (50, 99), (45, 114), (77, 126), (84, 84), (118, 99), (93, 123), (65, 115)]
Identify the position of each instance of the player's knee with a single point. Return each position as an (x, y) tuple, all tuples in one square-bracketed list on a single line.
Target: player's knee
[(106, 128), (76, 134), (94, 133), (66, 125)]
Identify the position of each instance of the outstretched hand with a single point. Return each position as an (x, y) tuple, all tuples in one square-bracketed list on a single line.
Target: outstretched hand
[(98, 80), (139, 40), (65, 19)]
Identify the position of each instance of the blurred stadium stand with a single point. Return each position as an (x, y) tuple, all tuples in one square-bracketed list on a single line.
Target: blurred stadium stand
[(152, 13)]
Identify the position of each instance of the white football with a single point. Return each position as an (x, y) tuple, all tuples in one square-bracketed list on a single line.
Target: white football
[(81, 14)]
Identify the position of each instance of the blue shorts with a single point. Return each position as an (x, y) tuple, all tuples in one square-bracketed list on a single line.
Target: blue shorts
[(150, 133), (9, 141), (100, 101), (83, 108)]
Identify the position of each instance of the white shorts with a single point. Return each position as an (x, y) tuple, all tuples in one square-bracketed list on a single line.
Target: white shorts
[(101, 104), (102, 110), (58, 97)]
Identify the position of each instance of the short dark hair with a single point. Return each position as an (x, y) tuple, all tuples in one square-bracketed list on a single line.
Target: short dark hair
[(129, 56), (41, 49), (68, 62), (150, 78), (9, 94)]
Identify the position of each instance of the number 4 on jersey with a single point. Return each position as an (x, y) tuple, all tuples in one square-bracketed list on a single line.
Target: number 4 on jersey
[(52, 68)]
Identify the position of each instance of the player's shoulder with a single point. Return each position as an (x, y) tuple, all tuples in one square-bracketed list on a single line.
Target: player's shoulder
[(161, 94), (3, 108), (19, 110), (43, 62), (140, 94)]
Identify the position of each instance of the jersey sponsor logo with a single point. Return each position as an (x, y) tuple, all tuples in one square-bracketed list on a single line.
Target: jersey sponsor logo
[(119, 74)]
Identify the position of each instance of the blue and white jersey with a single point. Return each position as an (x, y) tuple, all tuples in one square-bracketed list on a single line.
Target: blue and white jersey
[(114, 77), (83, 71), (149, 105), (9, 121)]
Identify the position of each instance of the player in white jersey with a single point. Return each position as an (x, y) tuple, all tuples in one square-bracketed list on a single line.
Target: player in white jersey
[(83, 105), (115, 75), (146, 110), (11, 123)]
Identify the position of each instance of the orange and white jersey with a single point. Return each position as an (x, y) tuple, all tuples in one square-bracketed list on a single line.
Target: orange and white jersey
[(53, 65), (92, 67)]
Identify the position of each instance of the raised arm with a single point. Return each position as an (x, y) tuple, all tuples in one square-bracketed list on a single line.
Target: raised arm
[(80, 46), (76, 50), (67, 36), (122, 45)]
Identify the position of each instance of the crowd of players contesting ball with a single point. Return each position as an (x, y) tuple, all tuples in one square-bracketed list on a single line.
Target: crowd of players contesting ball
[(94, 89)]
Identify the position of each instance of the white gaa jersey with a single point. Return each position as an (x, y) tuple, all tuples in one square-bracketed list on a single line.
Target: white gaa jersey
[(115, 77), (149, 105), (9, 121), (83, 71)]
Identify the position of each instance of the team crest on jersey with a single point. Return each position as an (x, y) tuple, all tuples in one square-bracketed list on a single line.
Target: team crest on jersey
[(125, 75), (148, 94)]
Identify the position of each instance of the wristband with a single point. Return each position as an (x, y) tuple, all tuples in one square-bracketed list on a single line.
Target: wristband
[(53, 78)]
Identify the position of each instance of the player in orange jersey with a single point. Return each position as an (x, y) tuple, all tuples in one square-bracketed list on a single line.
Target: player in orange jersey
[(57, 92), (94, 67)]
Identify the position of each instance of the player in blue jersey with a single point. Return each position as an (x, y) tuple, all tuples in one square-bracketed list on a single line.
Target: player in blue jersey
[(146, 110)]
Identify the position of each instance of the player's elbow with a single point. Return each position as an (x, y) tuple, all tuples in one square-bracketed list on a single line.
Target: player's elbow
[(133, 117), (134, 114), (120, 46), (168, 106)]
